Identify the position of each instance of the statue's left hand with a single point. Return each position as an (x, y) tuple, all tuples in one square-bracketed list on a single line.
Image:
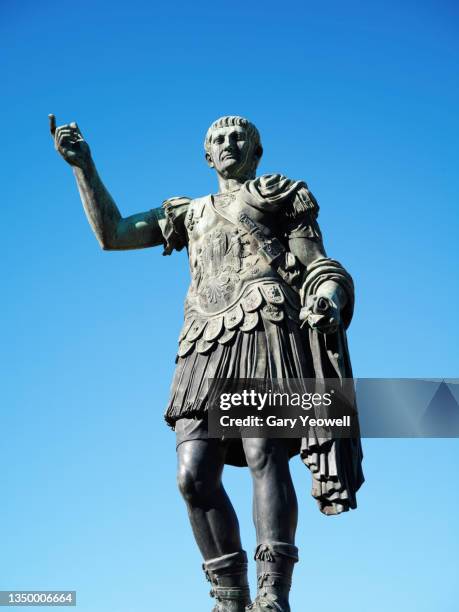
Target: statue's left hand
[(321, 313)]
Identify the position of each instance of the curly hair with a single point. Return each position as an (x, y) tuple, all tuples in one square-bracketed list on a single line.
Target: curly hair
[(227, 121)]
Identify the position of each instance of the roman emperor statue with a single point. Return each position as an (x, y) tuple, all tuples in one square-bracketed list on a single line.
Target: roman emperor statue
[(264, 302)]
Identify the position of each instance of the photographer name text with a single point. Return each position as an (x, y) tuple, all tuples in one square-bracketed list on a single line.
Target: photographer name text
[(284, 422)]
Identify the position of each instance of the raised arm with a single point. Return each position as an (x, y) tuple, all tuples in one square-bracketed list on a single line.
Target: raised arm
[(112, 230)]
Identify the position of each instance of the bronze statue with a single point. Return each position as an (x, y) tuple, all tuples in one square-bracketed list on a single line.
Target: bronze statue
[(264, 301)]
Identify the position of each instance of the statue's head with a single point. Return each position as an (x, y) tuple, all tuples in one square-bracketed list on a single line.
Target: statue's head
[(233, 147)]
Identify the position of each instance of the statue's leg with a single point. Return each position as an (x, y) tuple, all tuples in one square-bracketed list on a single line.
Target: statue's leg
[(275, 507), (212, 516), (214, 522), (275, 513)]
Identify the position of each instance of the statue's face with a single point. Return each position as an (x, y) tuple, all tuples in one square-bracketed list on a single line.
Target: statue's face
[(231, 151)]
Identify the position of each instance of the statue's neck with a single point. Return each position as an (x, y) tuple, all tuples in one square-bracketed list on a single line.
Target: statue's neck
[(231, 184)]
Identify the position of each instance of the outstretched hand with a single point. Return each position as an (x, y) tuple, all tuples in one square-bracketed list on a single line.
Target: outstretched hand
[(69, 143)]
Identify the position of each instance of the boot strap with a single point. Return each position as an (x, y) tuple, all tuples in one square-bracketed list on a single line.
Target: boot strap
[(214, 578), (230, 593), (273, 579)]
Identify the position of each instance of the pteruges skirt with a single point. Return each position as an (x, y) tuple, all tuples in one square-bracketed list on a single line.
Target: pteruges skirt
[(270, 351)]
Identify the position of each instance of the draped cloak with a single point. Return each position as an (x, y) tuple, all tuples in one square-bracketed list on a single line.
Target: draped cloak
[(241, 317)]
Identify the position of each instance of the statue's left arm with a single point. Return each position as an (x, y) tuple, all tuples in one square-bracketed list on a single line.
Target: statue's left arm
[(326, 288), (327, 298)]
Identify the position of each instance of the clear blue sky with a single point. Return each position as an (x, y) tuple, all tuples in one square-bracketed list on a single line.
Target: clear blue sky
[(360, 100)]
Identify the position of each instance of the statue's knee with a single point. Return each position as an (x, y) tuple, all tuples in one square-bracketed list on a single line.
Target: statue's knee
[(186, 482), (195, 489), (257, 455)]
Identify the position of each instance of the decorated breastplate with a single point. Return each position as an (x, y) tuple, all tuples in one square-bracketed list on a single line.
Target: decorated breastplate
[(231, 283)]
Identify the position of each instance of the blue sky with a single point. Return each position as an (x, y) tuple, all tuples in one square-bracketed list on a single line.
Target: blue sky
[(360, 100)]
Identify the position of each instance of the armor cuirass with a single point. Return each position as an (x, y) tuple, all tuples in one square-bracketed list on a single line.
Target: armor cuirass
[(232, 284)]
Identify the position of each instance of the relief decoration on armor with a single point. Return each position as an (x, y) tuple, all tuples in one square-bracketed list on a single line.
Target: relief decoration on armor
[(233, 288), (220, 261), (261, 301)]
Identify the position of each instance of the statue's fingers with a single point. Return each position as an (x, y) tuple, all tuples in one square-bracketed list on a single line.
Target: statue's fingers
[(316, 320), (62, 134), (52, 123), (60, 129), (65, 140), (75, 127), (329, 326)]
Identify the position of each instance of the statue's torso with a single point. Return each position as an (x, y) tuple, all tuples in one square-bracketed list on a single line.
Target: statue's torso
[(232, 284)]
